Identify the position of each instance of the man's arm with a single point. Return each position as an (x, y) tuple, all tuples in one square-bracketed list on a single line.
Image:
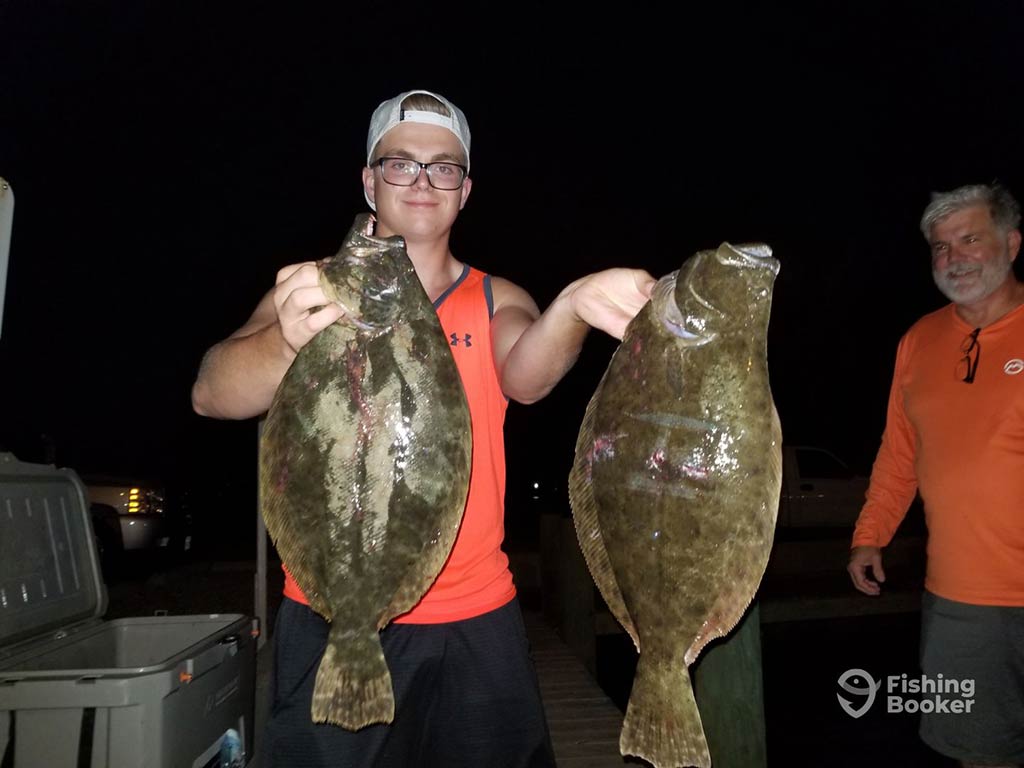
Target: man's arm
[(533, 351), (239, 375)]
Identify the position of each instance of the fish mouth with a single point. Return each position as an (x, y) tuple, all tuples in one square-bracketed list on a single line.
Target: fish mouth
[(679, 325), (689, 338), (364, 243), (748, 256), (361, 285), (694, 331), (352, 318)]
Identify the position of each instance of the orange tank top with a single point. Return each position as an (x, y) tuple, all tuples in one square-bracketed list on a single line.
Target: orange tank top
[(475, 579)]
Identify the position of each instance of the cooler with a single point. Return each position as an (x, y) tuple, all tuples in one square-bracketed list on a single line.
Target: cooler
[(80, 692)]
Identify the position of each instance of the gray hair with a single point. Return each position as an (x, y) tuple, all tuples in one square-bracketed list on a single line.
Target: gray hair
[(1002, 206)]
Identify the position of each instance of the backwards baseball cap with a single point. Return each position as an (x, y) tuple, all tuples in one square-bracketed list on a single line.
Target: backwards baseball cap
[(390, 113)]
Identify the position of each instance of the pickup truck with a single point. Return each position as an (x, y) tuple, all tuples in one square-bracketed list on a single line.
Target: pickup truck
[(819, 490)]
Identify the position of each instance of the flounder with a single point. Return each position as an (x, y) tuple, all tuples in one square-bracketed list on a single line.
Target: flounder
[(675, 484), (364, 467)]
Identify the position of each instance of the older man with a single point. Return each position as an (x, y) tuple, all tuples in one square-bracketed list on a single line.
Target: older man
[(955, 432)]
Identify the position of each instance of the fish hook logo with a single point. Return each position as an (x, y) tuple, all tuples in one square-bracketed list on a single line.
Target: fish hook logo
[(869, 691)]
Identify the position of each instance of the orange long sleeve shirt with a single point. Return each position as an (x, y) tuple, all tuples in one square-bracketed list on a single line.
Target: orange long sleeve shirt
[(475, 579), (962, 445)]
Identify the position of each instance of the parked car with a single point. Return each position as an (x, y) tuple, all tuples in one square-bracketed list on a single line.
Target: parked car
[(145, 522), (818, 489), (106, 526)]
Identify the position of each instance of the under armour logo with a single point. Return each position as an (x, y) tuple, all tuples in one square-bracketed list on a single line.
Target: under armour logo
[(465, 339)]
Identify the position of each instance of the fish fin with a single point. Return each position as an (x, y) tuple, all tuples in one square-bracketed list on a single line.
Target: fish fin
[(287, 523), (662, 723), (588, 529), (353, 684), (419, 579), (725, 616)]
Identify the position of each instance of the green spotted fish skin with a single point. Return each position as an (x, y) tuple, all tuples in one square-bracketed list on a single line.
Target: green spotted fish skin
[(364, 467), (676, 480)]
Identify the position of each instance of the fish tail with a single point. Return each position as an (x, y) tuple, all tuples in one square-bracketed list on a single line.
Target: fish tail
[(353, 684), (662, 723)]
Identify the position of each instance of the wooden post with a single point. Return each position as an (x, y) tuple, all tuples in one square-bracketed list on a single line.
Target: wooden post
[(567, 589), (729, 688), (550, 551), (576, 598)]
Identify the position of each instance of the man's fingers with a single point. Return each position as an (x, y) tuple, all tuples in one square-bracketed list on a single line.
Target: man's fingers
[(862, 558), (861, 581), (291, 270), (292, 290), (323, 317), (645, 283), (301, 301)]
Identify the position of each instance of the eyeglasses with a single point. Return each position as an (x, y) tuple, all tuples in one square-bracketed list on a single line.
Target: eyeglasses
[(969, 362), (403, 172)]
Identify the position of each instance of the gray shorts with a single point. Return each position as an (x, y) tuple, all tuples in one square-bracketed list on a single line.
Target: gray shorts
[(983, 644)]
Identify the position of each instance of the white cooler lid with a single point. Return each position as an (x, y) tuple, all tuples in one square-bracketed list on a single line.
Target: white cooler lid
[(49, 571)]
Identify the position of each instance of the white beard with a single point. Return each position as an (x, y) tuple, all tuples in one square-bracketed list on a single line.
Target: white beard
[(985, 279)]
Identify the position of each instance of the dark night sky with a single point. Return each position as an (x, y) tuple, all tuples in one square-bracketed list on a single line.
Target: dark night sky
[(168, 158)]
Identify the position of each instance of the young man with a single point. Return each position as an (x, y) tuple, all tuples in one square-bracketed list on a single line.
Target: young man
[(955, 430), (466, 693)]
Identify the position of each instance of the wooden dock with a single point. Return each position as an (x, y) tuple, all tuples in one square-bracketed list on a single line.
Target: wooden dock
[(584, 722), (805, 580)]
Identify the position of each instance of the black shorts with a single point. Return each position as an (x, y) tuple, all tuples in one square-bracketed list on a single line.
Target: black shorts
[(466, 694), (982, 644)]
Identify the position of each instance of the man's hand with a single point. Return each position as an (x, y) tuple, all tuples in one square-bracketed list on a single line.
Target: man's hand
[(608, 300), (302, 308), (862, 558)]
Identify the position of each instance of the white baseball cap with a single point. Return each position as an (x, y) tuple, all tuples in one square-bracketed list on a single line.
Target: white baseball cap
[(390, 113)]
